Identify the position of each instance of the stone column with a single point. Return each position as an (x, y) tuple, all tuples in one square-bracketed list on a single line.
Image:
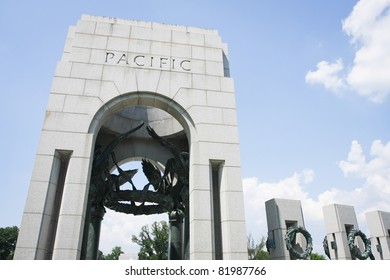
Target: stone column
[(281, 215), (175, 250), (95, 222)]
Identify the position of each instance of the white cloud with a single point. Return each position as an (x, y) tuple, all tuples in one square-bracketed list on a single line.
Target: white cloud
[(373, 193), (356, 160), (376, 171), (368, 26), (308, 176), (327, 74), (365, 14)]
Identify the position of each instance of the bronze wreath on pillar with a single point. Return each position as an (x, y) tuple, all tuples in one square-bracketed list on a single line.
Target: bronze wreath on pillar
[(290, 237), (355, 250)]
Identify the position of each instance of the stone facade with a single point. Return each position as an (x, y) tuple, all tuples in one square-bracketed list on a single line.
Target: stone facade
[(114, 74)]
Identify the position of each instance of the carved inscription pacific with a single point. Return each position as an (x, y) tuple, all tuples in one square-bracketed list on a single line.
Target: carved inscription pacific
[(148, 61)]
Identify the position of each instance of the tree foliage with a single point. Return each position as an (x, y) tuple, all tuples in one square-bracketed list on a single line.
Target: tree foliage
[(316, 256), (256, 250), (153, 242), (114, 255), (8, 237)]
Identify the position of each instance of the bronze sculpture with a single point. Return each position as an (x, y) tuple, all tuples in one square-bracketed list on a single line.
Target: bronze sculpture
[(170, 193)]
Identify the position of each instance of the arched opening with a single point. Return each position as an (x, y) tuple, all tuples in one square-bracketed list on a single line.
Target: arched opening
[(118, 228), (133, 113)]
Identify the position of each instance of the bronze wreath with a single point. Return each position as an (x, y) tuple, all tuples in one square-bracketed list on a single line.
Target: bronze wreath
[(355, 250), (289, 238), (124, 202), (326, 246)]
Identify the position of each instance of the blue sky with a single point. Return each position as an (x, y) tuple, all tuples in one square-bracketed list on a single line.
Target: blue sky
[(312, 80)]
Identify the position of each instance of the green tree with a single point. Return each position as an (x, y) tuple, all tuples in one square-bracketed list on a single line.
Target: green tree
[(256, 250), (114, 255), (8, 237), (153, 242), (316, 256)]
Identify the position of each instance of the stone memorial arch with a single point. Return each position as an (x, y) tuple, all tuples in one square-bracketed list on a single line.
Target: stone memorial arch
[(157, 82)]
